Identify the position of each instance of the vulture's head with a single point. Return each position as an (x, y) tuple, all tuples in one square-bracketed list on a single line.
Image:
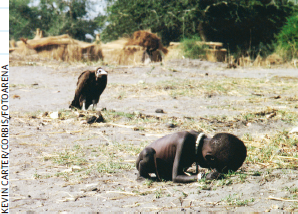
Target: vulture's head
[(100, 72)]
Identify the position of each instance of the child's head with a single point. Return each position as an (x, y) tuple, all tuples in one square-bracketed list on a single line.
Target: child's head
[(223, 152)]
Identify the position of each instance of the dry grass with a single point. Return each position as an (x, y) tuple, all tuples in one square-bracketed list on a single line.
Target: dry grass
[(271, 60), (259, 90), (127, 51), (175, 51), (117, 53), (61, 48), (124, 56)]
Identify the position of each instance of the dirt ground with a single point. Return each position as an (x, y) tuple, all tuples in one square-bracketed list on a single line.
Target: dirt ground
[(65, 164)]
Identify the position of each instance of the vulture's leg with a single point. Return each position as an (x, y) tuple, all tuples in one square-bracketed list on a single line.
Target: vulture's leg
[(94, 105), (84, 105)]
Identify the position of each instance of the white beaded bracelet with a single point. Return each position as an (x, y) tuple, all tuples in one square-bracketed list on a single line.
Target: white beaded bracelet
[(199, 176)]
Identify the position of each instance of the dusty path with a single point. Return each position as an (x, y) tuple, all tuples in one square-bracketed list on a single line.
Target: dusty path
[(67, 165)]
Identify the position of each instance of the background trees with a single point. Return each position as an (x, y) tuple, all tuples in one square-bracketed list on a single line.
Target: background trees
[(287, 39), (54, 17), (242, 25), (22, 19), (172, 20)]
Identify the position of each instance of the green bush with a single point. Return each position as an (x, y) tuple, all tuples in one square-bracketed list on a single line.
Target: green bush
[(191, 49), (287, 39)]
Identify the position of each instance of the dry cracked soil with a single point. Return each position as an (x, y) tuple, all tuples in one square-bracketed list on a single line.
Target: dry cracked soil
[(66, 165)]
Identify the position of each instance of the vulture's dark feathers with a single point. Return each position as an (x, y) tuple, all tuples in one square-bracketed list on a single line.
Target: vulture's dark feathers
[(90, 86)]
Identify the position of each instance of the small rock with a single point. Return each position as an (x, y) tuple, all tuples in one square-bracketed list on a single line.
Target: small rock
[(16, 96), (275, 207), (103, 109), (76, 168), (276, 97), (294, 130), (271, 115), (137, 113), (91, 187), (68, 199), (54, 115), (170, 125), (95, 119), (71, 169), (67, 170), (91, 120), (159, 110), (99, 118)]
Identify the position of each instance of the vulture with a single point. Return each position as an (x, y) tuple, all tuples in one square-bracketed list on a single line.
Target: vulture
[(90, 86)]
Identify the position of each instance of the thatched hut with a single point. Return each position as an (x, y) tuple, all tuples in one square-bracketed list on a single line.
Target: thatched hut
[(58, 47)]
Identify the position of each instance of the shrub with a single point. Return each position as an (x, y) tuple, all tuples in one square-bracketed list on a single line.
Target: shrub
[(287, 39)]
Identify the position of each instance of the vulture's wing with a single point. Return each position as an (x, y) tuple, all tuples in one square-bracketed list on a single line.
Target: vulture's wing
[(82, 82)]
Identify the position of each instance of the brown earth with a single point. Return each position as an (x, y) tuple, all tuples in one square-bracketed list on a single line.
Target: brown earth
[(55, 164)]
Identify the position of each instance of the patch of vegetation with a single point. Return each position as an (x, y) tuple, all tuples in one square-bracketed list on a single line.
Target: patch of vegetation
[(256, 173), (277, 150), (34, 114), (66, 114), (293, 191), (107, 159), (158, 193), (109, 114), (148, 182), (235, 200), (64, 175), (112, 166), (255, 90), (287, 40), (70, 158), (142, 121), (224, 182), (271, 114), (191, 49), (36, 176)]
